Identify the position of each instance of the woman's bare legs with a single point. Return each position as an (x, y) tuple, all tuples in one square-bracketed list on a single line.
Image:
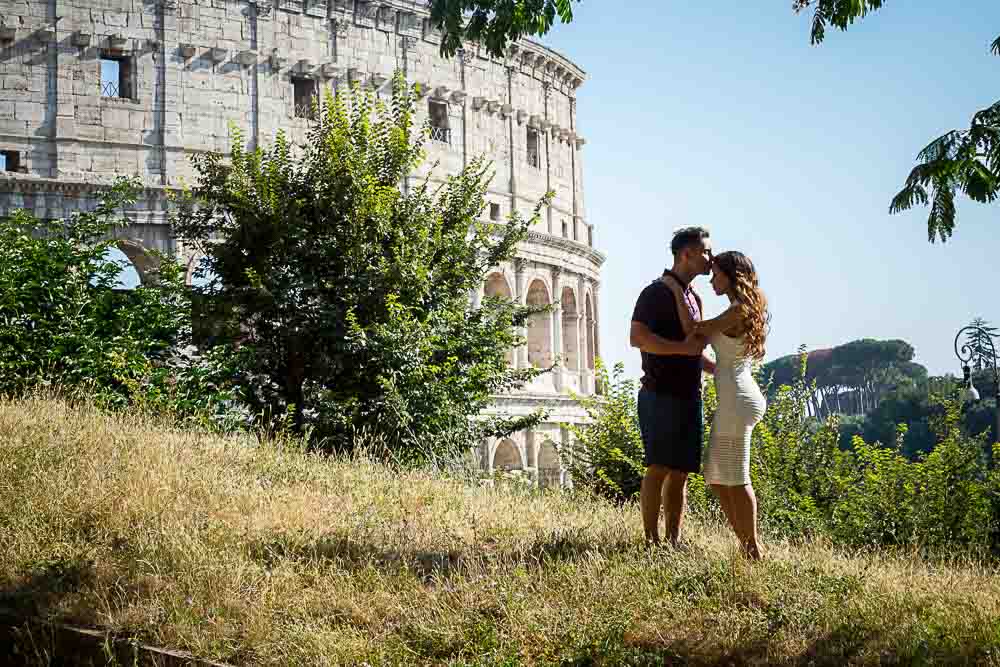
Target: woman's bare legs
[(723, 493), (740, 506)]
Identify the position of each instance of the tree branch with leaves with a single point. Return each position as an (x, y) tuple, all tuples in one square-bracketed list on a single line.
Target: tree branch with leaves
[(965, 161), (495, 23)]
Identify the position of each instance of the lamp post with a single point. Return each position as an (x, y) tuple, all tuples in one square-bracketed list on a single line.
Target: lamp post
[(965, 354)]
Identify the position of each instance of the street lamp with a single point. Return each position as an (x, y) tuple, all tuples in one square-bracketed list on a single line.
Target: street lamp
[(965, 353)]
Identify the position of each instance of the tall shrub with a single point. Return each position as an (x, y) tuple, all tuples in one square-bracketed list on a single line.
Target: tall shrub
[(63, 323), (607, 455), (342, 285)]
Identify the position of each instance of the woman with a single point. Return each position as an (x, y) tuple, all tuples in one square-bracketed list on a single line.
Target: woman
[(737, 336)]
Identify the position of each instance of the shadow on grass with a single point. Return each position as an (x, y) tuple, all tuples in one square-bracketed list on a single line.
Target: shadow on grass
[(845, 644), (34, 634), (23, 641), (353, 553), (41, 590)]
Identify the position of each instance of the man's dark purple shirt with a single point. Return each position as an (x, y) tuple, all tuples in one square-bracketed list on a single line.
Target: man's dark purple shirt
[(676, 375)]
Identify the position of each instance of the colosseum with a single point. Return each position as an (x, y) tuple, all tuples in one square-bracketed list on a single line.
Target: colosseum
[(96, 88)]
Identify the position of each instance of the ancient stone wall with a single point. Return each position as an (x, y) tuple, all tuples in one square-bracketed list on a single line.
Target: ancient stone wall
[(93, 89)]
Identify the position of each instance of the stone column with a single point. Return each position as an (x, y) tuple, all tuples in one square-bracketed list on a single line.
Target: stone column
[(464, 58), (172, 134), (510, 139), (531, 452), (581, 334), (572, 153), (556, 336), (593, 330), (564, 450), (521, 353), (487, 459), (595, 289), (546, 94), (62, 59)]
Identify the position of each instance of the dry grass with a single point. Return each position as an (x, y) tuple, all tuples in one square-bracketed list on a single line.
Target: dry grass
[(258, 554)]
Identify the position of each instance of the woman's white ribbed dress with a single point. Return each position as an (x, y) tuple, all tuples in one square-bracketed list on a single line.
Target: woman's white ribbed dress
[(741, 406)]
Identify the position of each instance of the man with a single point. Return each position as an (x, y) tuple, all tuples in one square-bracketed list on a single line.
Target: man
[(670, 411)]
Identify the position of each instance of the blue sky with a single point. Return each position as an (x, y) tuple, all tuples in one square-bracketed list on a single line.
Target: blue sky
[(791, 154)]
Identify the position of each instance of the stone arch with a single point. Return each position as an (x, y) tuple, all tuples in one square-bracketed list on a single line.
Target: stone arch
[(128, 277), (539, 326), (497, 285), (507, 456), (591, 325), (549, 465), (144, 263), (570, 329), (193, 277)]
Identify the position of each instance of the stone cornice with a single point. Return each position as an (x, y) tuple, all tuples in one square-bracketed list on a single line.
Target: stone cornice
[(554, 64), (536, 400), (566, 245), (553, 56), (31, 185)]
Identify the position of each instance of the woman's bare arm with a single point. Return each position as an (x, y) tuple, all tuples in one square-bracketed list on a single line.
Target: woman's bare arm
[(687, 322), (730, 319)]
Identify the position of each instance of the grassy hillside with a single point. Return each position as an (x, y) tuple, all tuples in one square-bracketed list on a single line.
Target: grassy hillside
[(260, 554)]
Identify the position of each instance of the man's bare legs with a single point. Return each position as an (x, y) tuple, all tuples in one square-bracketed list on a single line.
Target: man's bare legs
[(742, 515), (674, 499), (650, 494)]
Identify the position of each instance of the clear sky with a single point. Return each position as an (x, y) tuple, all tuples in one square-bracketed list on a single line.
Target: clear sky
[(723, 115)]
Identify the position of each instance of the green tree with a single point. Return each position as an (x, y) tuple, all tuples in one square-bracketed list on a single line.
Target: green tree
[(913, 407), (981, 344), (966, 160), (342, 287), (495, 23), (850, 378), (62, 320)]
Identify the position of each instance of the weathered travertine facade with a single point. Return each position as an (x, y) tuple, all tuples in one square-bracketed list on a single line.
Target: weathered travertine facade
[(94, 88)]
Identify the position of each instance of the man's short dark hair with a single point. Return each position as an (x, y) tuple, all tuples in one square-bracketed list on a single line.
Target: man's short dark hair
[(689, 236)]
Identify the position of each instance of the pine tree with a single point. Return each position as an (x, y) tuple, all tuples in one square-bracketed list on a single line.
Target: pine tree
[(980, 342)]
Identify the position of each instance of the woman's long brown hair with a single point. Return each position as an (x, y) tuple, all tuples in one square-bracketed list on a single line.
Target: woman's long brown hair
[(749, 299)]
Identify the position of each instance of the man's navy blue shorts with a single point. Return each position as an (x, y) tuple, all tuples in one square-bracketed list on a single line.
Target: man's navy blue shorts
[(671, 430)]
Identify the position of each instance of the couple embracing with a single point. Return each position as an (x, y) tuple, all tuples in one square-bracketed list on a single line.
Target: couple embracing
[(669, 328)]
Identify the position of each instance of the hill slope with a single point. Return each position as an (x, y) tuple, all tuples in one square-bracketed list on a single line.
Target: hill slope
[(264, 555)]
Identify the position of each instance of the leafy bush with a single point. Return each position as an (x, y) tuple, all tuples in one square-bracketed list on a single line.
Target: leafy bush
[(807, 484), (608, 454), (63, 323), (871, 494), (342, 298)]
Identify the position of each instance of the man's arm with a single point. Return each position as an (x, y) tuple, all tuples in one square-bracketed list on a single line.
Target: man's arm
[(641, 337)]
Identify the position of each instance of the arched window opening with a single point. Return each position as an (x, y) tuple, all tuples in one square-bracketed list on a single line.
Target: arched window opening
[(570, 330), (127, 277), (506, 457), (539, 327), (496, 286)]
